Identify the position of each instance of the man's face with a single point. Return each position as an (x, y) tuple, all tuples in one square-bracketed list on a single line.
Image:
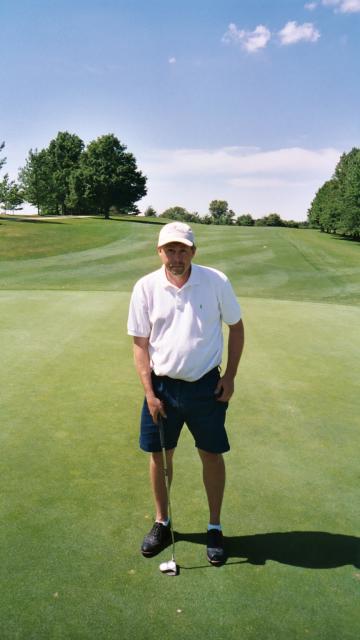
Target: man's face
[(176, 257)]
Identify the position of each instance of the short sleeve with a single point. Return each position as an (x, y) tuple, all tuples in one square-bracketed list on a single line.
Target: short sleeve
[(138, 319), (230, 308)]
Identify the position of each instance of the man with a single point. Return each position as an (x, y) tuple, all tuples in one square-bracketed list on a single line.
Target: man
[(175, 318)]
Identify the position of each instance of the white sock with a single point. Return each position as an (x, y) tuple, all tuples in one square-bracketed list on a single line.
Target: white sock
[(214, 526), (164, 522)]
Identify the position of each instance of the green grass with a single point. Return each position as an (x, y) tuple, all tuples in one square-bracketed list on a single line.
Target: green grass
[(75, 501), (90, 254), (44, 237)]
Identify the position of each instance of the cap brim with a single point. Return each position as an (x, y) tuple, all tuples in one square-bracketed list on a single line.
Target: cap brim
[(180, 240)]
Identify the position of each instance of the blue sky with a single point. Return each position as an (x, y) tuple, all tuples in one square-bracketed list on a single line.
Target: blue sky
[(249, 101)]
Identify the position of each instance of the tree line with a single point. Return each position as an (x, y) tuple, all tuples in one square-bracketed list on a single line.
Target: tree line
[(336, 206), (68, 178), (219, 213), (101, 178)]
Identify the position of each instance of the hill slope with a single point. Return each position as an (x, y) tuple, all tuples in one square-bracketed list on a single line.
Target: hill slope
[(91, 254)]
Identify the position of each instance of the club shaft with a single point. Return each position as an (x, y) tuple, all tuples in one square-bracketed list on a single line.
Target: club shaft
[(167, 483)]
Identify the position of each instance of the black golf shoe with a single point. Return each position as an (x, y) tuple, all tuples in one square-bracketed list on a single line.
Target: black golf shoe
[(156, 540), (215, 547)]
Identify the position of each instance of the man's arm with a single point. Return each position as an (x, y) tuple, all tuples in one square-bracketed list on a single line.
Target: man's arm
[(142, 364), (225, 385)]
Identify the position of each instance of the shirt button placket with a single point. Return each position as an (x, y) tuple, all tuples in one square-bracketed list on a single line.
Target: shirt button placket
[(179, 301)]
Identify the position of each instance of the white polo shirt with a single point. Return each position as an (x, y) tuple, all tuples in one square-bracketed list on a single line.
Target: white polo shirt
[(184, 326)]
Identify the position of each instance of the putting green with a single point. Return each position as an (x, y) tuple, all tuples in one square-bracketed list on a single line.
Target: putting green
[(75, 499)]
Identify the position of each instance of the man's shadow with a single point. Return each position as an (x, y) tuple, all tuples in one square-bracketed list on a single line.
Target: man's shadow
[(309, 549)]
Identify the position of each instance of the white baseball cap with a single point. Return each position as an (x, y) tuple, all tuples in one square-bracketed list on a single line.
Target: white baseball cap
[(176, 232)]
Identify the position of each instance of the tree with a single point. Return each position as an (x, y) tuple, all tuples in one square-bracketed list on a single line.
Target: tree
[(330, 207), (292, 224), (246, 220), (175, 213), (36, 181), (220, 212), (218, 208), (324, 212), (150, 212), (272, 220), (336, 206), (46, 176), (107, 176), (348, 176), (10, 193), (180, 213), (2, 160), (64, 154), (11, 196), (342, 167), (64, 178)]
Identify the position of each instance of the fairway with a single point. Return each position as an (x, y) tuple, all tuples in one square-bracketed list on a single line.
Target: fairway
[(75, 499)]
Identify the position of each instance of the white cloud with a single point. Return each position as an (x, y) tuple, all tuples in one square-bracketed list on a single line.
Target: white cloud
[(310, 6), (172, 60), (266, 183), (249, 178), (343, 6), (240, 161), (251, 41), (293, 33), (350, 6)]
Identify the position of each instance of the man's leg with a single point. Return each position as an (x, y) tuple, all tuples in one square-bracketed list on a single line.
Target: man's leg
[(214, 481), (160, 534), (158, 482)]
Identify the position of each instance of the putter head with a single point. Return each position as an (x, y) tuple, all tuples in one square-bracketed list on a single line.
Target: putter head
[(170, 568)]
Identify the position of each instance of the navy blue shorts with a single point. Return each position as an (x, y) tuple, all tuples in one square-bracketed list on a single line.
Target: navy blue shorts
[(192, 403)]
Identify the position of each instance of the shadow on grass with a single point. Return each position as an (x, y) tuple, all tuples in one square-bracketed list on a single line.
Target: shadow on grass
[(140, 221), (34, 220), (339, 236), (308, 549)]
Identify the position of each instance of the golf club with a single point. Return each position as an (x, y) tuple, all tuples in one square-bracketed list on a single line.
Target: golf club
[(170, 567)]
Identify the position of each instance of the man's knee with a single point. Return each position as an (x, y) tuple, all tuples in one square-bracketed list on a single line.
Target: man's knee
[(208, 457), (157, 457)]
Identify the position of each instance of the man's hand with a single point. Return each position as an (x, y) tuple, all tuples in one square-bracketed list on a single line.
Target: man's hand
[(156, 407), (224, 389), (142, 363), (225, 386)]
